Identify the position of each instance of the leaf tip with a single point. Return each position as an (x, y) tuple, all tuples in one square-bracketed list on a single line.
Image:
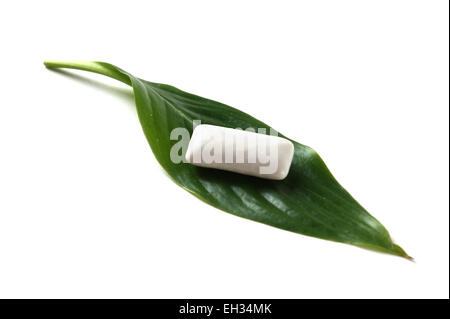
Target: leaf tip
[(403, 253), (410, 258)]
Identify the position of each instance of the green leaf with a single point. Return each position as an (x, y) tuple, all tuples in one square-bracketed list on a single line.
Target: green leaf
[(309, 201)]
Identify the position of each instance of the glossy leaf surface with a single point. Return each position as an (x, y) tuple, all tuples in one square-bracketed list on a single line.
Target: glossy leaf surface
[(309, 201)]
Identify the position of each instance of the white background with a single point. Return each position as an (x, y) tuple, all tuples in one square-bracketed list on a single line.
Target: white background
[(86, 211)]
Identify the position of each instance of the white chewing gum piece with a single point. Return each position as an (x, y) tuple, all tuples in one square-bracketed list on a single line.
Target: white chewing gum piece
[(239, 151)]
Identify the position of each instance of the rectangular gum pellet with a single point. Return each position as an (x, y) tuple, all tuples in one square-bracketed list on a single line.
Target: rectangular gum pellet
[(239, 151)]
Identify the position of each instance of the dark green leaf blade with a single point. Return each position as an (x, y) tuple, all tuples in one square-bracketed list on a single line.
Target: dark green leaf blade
[(309, 201)]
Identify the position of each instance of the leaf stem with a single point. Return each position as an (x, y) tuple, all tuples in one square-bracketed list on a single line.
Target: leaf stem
[(95, 67)]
